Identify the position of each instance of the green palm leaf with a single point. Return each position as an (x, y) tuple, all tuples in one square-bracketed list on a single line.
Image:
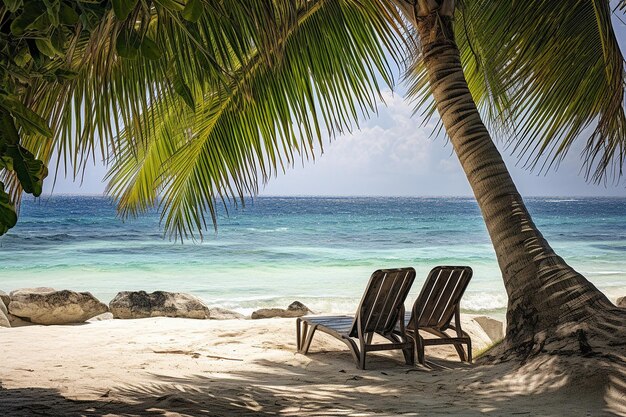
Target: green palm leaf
[(319, 76), (544, 73)]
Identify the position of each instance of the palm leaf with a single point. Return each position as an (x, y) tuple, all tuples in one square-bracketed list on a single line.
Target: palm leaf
[(319, 76), (109, 94), (544, 74)]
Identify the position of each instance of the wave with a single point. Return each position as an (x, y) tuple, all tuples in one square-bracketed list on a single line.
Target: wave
[(563, 200), (617, 248), (480, 302), (472, 302), (277, 229)]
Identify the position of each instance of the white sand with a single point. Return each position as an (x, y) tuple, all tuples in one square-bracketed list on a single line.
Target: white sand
[(186, 367)]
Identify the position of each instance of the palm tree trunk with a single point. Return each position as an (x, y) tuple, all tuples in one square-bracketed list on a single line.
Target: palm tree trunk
[(548, 300)]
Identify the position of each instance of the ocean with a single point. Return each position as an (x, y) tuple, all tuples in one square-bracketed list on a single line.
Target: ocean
[(318, 250)]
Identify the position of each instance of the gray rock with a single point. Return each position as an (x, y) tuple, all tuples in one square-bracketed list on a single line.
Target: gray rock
[(47, 306), (295, 309), (18, 322), (492, 327), (298, 306), (4, 299), (139, 304), (37, 290), (4, 320), (101, 317), (218, 313), (621, 302)]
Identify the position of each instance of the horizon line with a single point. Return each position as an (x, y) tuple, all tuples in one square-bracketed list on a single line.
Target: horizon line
[(348, 196)]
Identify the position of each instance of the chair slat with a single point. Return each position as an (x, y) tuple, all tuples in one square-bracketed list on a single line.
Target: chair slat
[(406, 284), (385, 303), (425, 293), (455, 299), (439, 297), (383, 300), (446, 300), (441, 279), (398, 292)]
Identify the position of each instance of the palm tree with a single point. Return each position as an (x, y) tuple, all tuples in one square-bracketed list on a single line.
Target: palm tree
[(552, 87), (200, 103)]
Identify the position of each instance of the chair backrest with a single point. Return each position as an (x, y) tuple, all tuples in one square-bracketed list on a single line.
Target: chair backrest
[(440, 296), (383, 301)]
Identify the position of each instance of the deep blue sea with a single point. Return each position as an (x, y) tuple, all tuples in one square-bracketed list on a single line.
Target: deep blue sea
[(320, 251)]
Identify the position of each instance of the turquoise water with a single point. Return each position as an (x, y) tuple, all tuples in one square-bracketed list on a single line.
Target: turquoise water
[(320, 251)]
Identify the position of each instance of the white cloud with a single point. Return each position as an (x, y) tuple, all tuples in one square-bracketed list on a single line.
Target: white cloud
[(384, 157)]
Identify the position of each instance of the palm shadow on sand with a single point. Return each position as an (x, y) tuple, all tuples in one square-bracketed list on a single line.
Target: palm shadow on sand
[(592, 386)]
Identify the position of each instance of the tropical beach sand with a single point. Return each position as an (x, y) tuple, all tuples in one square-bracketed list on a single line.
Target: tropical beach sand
[(172, 367)]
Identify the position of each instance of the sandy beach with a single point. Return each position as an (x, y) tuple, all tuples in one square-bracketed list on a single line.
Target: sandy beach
[(185, 367)]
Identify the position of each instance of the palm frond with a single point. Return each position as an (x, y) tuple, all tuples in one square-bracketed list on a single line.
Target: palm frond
[(316, 74), (110, 94), (544, 74)]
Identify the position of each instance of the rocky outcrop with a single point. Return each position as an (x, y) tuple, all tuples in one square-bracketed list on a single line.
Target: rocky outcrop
[(48, 306), (621, 302), (218, 313), (5, 299), (492, 327), (295, 309), (140, 304), (4, 319)]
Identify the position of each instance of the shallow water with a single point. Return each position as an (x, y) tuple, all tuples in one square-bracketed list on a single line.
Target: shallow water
[(320, 251)]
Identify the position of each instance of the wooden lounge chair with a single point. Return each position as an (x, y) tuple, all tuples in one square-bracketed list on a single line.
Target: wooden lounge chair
[(380, 311), (434, 308)]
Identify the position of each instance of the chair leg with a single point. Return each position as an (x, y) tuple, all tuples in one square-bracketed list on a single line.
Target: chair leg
[(460, 351), (419, 350), (302, 328), (298, 335), (309, 337), (362, 359), (461, 333), (409, 353), (354, 350), (409, 356)]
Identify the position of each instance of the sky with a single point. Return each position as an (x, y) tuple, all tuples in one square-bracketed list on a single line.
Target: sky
[(394, 154)]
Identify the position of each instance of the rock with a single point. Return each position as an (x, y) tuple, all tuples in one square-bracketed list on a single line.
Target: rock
[(38, 290), (492, 327), (218, 313), (5, 299), (621, 302), (18, 322), (4, 319), (298, 306), (47, 306), (100, 317), (480, 339), (295, 309), (139, 304)]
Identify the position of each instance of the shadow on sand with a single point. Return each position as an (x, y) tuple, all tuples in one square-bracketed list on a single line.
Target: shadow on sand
[(448, 388)]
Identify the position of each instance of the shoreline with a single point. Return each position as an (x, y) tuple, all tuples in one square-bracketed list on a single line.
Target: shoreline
[(51, 306)]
